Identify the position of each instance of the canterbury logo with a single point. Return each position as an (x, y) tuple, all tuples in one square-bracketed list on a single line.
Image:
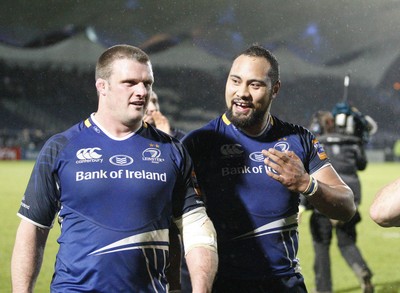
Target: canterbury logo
[(231, 149), (89, 153)]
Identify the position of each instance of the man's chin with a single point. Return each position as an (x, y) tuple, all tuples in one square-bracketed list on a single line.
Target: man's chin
[(242, 116), (239, 120), (239, 115), (242, 120)]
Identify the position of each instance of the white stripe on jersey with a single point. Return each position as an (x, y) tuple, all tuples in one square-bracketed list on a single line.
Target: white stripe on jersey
[(287, 224), (158, 239)]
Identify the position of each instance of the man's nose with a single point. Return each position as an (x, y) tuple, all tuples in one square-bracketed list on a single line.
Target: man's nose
[(141, 89), (243, 91)]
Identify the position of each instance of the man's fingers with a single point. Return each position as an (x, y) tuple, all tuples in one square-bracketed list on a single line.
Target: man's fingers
[(277, 156)]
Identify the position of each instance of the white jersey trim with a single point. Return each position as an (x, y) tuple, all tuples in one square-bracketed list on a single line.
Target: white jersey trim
[(157, 239), (278, 226), (322, 167), (35, 223), (109, 134)]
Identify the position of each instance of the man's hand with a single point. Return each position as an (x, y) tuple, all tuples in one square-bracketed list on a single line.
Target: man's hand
[(290, 169), (161, 122), (333, 197)]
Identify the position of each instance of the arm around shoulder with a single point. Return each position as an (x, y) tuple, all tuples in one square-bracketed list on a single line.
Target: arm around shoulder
[(385, 209), (27, 256)]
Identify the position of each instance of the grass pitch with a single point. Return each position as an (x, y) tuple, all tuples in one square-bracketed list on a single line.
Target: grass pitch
[(14, 177), (379, 246)]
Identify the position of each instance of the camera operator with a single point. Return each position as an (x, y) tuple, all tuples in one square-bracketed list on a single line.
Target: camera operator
[(343, 134)]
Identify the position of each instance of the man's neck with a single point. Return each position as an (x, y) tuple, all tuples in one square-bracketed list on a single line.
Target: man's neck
[(118, 130), (258, 129)]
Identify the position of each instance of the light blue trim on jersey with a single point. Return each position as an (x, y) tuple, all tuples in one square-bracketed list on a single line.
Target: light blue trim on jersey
[(282, 225), (157, 239)]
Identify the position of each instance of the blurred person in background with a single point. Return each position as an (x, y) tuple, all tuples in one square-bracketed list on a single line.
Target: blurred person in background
[(346, 153), (155, 117)]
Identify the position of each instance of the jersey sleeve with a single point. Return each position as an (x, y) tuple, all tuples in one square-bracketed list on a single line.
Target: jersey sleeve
[(317, 156), (40, 202), (187, 194)]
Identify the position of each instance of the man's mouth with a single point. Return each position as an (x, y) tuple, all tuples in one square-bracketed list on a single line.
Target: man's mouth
[(242, 104), (137, 103)]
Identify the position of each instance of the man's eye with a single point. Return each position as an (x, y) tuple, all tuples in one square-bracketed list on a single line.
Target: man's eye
[(235, 81)]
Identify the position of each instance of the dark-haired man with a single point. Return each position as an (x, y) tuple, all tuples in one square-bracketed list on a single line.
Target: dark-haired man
[(252, 167)]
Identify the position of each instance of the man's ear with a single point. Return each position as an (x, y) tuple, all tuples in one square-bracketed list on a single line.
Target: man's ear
[(275, 88), (101, 86)]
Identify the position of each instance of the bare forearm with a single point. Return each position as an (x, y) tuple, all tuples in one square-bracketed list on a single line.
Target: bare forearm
[(27, 257), (336, 202), (385, 209), (200, 244), (202, 264), (24, 270), (324, 188)]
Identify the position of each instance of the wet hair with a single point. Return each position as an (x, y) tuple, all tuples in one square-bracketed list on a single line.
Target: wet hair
[(118, 52), (256, 50)]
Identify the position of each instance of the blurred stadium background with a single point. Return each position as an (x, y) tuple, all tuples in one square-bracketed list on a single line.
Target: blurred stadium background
[(48, 50)]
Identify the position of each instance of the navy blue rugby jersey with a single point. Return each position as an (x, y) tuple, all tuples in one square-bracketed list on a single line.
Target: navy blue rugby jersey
[(115, 199), (254, 215)]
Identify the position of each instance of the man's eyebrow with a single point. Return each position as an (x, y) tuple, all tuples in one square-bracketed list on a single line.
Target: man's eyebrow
[(136, 80), (250, 80), (262, 81), (131, 80)]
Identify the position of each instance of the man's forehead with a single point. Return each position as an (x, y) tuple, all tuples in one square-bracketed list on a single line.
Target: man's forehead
[(250, 65), (251, 61), (129, 63)]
